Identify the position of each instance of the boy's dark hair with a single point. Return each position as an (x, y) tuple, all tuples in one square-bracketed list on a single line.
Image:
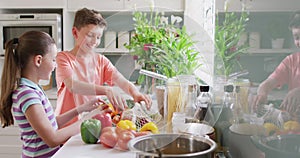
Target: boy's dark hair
[(295, 20), (86, 16)]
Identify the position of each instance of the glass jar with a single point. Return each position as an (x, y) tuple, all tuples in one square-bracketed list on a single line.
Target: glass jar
[(243, 94), (173, 99), (178, 120)]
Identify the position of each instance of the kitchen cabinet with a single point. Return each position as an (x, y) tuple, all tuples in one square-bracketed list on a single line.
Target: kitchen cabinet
[(259, 5), (271, 51), (101, 5), (10, 143), (266, 17), (17, 4), (125, 5)]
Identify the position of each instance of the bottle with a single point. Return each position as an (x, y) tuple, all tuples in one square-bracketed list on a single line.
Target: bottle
[(191, 104), (228, 98), (224, 121), (236, 107), (203, 103)]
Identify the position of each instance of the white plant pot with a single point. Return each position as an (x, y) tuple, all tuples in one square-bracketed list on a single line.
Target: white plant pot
[(277, 43)]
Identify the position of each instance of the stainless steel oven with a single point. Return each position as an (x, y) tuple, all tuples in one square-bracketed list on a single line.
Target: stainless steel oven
[(13, 25)]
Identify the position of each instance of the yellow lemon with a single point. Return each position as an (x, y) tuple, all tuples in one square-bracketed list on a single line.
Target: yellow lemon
[(291, 126), (150, 126), (270, 128), (126, 124)]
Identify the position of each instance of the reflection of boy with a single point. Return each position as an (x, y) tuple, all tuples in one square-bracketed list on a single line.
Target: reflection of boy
[(81, 73), (288, 72)]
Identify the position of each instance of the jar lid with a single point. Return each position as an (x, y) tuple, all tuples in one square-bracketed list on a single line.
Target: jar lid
[(237, 89), (173, 81), (228, 88), (204, 88)]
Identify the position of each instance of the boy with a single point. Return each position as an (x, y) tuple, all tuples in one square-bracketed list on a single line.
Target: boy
[(288, 72), (81, 72)]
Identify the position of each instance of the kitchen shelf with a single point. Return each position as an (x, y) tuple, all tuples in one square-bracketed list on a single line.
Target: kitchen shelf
[(114, 51), (272, 51)]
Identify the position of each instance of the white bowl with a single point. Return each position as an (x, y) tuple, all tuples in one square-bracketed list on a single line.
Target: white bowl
[(196, 129)]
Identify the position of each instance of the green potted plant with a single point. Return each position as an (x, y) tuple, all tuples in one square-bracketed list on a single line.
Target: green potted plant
[(164, 49), (176, 54), (227, 36), (161, 47)]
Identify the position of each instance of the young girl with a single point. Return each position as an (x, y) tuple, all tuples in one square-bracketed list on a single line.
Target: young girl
[(29, 59)]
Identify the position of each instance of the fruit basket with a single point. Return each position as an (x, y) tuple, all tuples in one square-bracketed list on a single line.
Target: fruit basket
[(140, 115)]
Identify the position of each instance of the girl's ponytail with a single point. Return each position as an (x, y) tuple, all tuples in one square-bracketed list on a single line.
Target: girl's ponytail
[(9, 81), (18, 53)]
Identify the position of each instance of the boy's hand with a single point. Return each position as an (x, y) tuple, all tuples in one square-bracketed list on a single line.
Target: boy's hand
[(291, 101), (116, 99), (139, 97)]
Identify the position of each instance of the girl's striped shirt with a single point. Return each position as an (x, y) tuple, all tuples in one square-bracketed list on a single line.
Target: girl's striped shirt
[(27, 94)]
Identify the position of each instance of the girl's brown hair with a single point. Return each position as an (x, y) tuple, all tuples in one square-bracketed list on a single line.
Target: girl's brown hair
[(86, 16), (18, 52)]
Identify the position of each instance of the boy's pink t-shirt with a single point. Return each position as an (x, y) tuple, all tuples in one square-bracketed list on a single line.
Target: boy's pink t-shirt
[(96, 69), (288, 72)]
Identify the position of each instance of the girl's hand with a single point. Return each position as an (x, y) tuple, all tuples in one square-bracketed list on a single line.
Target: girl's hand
[(91, 105), (98, 108), (291, 101)]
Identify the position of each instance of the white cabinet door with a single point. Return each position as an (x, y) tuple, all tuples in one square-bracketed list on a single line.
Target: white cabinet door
[(9, 4), (101, 5), (170, 5), (259, 5), (126, 5), (10, 143), (162, 5), (131, 5)]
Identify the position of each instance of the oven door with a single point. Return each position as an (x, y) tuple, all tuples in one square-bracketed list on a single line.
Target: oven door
[(13, 29)]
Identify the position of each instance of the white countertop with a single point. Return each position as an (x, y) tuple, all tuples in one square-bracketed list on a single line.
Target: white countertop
[(76, 148)]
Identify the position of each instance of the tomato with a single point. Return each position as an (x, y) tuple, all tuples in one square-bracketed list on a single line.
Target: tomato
[(119, 130), (138, 134), (124, 138), (108, 129), (109, 139), (105, 119)]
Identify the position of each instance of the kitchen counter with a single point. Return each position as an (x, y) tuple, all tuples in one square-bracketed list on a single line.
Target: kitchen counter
[(76, 148)]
